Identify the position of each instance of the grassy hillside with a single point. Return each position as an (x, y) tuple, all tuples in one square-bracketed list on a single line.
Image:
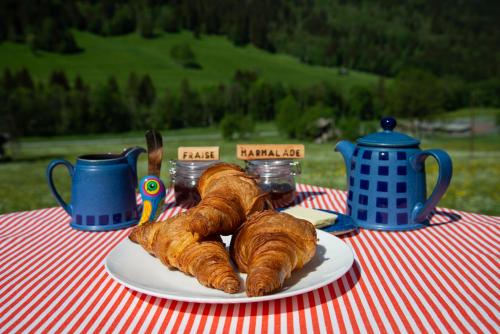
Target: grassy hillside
[(219, 58)]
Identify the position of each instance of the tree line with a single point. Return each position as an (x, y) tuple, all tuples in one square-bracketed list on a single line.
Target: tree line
[(447, 38), (60, 106)]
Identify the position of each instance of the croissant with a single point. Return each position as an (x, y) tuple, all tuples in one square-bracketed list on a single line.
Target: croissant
[(230, 179), (190, 241), (269, 246), (177, 247), (228, 196)]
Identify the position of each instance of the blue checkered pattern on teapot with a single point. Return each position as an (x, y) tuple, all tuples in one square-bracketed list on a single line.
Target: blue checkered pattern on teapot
[(386, 180)]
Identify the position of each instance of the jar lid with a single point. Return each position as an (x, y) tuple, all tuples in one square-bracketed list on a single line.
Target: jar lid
[(273, 167), (190, 167), (388, 137), (271, 162)]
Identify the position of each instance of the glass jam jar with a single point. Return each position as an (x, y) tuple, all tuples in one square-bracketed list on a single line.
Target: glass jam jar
[(276, 177), (184, 176)]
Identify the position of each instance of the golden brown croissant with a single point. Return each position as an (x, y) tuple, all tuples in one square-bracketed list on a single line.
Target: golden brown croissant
[(230, 180), (177, 247), (190, 242), (269, 246), (228, 196)]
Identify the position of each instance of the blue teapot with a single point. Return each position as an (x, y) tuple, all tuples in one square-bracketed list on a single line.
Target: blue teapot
[(386, 180), (103, 187)]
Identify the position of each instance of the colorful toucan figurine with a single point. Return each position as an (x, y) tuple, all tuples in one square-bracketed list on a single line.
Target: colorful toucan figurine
[(151, 186), (153, 193)]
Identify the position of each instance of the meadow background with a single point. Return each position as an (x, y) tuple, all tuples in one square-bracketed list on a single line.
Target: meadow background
[(85, 77)]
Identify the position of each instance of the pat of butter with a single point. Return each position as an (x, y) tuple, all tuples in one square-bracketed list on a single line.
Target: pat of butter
[(316, 217)]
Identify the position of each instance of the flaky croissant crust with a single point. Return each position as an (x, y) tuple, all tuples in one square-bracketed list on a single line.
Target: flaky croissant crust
[(229, 180), (177, 247), (269, 246), (228, 196)]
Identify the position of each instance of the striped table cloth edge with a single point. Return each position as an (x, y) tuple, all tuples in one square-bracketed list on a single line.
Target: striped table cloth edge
[(444, 278)]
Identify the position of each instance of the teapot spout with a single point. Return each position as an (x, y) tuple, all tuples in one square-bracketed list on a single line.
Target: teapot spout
[(132, 153), (346, 148)]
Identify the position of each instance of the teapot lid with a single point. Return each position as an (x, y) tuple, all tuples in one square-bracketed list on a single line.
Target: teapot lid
[(388, 137)]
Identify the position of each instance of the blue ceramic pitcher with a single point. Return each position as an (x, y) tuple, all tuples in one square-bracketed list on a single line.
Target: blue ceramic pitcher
[(103, 190), (386, 180)]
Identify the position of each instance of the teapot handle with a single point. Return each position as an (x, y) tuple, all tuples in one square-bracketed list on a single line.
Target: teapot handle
[(422, 211)]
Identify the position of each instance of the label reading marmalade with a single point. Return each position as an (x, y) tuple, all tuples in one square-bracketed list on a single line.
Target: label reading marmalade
[(198, 153), (269, 151)]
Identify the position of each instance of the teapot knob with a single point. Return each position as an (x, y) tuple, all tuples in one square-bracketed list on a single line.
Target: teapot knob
[(388, 123)]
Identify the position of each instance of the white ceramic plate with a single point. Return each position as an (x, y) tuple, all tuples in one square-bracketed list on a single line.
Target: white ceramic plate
[(133, 267)]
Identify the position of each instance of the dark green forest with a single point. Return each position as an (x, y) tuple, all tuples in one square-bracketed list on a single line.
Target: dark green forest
[(455, 38), (442, 55)]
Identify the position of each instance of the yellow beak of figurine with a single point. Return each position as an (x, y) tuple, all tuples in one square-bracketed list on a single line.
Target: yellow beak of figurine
[(146, 211)]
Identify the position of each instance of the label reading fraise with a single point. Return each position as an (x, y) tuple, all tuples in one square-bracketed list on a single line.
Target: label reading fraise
[(198, 153)]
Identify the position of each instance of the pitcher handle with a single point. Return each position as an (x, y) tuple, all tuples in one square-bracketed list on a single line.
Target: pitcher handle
[(422, 211), (132, 153), (52, 187)]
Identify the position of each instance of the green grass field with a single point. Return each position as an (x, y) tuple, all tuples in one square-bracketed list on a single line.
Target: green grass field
[(23, 185), (465, 113), (219, 58)]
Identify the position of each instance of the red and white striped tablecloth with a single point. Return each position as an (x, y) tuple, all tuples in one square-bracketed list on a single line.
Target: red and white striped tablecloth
[(443, 278)]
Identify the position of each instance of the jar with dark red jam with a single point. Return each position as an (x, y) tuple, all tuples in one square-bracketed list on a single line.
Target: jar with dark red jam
[(184, 176), (277, 178)]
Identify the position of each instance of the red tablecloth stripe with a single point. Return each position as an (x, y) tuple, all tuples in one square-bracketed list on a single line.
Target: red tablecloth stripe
[(440, 279)]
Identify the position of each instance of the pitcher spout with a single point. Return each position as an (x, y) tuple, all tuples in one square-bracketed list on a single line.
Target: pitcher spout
[(132, 154), (346, 148)]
